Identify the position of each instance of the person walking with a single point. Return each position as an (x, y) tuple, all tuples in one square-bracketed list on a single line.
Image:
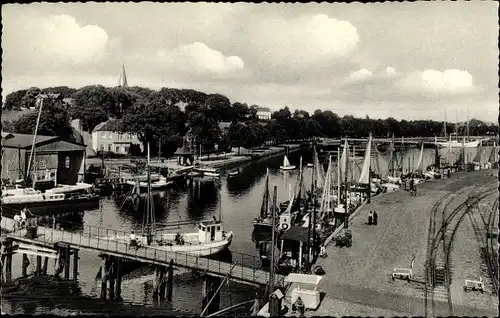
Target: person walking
[(375, 217), (370, 218)]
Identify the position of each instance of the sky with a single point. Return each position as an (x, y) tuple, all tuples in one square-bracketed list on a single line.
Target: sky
[(407, 60)]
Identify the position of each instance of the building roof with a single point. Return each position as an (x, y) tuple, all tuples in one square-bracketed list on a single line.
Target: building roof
[(25, 140), (263, 109), (110, 125), (296, 233), (6, 135)]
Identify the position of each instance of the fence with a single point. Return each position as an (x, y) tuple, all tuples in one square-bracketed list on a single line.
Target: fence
[(248, 268)]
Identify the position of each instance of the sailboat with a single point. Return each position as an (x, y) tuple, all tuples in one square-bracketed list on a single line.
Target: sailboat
[(286, 164), (211, 238), (263, 222)]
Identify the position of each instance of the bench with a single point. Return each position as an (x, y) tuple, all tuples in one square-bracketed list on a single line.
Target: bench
[(474, 285), (402, 273)]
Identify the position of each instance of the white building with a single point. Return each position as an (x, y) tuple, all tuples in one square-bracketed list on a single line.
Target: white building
[(106, 137), (263, 113)]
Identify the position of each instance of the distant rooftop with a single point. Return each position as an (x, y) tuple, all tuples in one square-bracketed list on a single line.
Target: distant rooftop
[(25, 140), (263, 109), (110, 125)]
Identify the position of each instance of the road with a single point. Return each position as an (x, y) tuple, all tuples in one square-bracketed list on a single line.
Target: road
[(358, 277)]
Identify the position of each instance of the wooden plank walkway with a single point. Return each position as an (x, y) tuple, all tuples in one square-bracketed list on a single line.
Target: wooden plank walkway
[(153, 255)]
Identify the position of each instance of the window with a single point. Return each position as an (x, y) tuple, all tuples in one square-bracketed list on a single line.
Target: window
[(110, 135), (109, 148), (67, 162), (126, 149), (117, 149), (103, 135), (119, 136), (42, 165)]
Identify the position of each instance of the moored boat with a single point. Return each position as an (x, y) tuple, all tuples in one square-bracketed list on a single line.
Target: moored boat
[(286, 164)]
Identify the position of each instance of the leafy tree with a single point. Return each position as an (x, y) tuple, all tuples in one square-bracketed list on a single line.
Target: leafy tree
[(29, 99), (8, 126), (92, 105), (123, 100), (220, 105), (237, 133), (54, 121), (65, 91), (240, 111), (13, 100), (205, 127)]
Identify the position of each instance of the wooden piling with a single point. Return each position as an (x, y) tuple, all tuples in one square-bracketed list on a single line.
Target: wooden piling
[(104, 274), (111, 279), (25, 265), (45, 265), (170, 280), (118, 284), (75, 265), (8, 261), (38, 271), (66, 262), (210, 285)]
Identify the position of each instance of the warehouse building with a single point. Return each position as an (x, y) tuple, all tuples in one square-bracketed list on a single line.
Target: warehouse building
[(54, 160)]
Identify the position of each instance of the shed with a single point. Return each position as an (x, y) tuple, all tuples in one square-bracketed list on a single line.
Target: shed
[(54, 159), (292, 245), (306, 287)]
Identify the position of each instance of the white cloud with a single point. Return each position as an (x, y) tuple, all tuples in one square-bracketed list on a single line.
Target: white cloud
[(54, 39), (389, 71), (360, 75), (436, 83), (304, 41), (198, 57)]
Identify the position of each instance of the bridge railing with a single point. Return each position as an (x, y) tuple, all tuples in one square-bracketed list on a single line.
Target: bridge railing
[(249, 267)]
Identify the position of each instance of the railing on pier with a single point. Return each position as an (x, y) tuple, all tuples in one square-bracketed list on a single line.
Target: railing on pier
[(248, 268)]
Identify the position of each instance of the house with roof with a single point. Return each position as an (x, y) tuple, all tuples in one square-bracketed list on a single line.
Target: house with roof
[(264, 113), (107, 137), (54, 160)]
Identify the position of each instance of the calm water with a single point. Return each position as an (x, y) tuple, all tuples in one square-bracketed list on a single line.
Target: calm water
[(237, 199)]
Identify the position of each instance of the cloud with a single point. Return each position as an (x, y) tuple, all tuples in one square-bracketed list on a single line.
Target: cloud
[(302, 42), (359, 75), (436, 83), (199, 58), (52, 40)]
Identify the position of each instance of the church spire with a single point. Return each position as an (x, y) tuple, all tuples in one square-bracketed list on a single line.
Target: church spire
[(122, 81)]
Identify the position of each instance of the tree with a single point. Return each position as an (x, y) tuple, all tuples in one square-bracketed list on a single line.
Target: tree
[(29, 99), (205, 127), (236, 134), (220, 105), (13, 100), (54, 121), (92, 105), (240, 111), (8, 126), (65, 91), (123, 100)]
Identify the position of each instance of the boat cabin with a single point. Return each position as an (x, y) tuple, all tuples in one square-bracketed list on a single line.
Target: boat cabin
[(293, 249), (210, 231)]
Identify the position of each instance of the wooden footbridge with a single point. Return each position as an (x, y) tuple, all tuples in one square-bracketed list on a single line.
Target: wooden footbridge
[(243, 268)]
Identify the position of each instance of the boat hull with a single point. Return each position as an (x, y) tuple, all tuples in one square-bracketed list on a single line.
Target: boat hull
[(53, 207), (287, 167)]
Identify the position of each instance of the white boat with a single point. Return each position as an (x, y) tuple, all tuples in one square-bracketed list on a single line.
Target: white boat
[(210, 239), (208, 172), (458, 144), (310, 165), (66, 188), (21, 195), (161, 183), (390, 187), (286, 164)]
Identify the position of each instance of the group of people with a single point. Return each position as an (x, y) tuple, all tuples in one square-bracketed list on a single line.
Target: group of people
[(372, 218), (21, 218)]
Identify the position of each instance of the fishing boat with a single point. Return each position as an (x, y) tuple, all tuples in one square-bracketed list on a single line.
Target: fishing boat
[(263, 223), (286, 164), (210, 238), (160, 184), (79, 187)]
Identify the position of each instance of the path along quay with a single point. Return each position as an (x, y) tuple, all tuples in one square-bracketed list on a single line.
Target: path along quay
[(358, 279)]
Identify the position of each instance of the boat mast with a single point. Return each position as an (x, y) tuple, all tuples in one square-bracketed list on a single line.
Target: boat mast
[(346, 207), (338, 176), (273, 238), (34, 138)]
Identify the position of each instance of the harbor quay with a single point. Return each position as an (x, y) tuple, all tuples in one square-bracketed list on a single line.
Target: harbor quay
[(358, 279)]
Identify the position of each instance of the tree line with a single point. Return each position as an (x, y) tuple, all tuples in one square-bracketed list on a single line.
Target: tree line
[(163, 117)]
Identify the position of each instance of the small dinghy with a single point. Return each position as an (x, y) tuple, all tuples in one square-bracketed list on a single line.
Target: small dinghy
[(286, 164)]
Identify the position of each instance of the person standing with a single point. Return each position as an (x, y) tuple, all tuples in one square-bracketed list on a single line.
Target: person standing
[(370, 218), (375, 217)]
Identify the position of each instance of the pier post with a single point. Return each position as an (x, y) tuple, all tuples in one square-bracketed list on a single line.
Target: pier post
[(66, 262), (8, 260), (104, 274), (75, 265), (163, 283), (170, 280), (118, 284), (45, 265), (111, 280), (25, 265), (38, 271), (210, 285)]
